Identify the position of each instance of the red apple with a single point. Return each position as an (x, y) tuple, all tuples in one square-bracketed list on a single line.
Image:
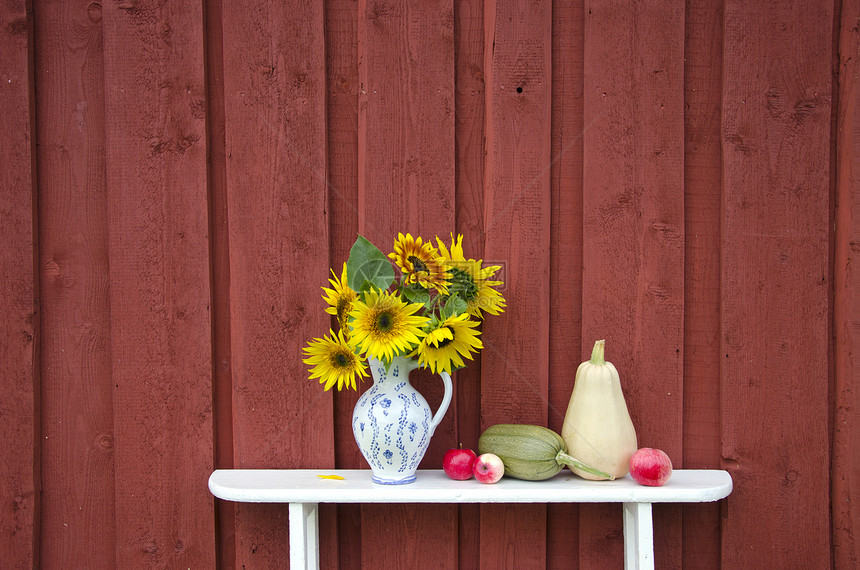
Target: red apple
[(650, 467), (457, 463), (489, 468)]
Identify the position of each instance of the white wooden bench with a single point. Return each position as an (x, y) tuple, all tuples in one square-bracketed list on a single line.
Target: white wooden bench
[(303, 489)]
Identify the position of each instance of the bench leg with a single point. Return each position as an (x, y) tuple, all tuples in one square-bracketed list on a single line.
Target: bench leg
[(304, 536), (638, 537)]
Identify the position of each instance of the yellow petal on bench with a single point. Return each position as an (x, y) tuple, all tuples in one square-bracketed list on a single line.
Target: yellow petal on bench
[(330, 477)]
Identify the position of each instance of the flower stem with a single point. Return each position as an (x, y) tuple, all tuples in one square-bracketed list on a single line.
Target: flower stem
[(597, 353), (570, 461)]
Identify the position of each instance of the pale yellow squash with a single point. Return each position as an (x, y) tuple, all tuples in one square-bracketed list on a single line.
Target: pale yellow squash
[(597, 427)]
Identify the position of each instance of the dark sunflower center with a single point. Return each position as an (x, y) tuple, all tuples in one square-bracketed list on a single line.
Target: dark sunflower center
[(417, 264), (343, 307), (340, 360), (384, 322)]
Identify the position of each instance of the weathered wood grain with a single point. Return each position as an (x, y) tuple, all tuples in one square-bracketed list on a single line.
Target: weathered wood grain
[(633, 237), (406, 184), (219, 260), (517, 217), (702, 216), (78, 506), (845, 461), (19, 399), (469, 163), (565, 325), (342, 109), (341, 18), (775, 282), (275, 96), (158, 258)]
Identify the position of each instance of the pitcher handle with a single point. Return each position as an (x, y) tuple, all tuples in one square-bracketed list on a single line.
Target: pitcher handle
[(446, 401)]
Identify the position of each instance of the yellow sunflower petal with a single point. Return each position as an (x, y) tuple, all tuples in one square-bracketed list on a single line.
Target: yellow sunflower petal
[(441, 353), (420, 263), (340, 298), (384, 326), (334, 361)]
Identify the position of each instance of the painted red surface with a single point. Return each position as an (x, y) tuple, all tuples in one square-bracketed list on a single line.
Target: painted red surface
[(702, 201), (844, 457), (19, 399), (679, 179), (75, 347), (775, 286)]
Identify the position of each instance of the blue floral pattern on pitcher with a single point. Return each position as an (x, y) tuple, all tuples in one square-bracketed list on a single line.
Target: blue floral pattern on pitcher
[(393, 423)]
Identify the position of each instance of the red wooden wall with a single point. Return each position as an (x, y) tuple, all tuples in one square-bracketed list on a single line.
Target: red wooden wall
[(682, 179)]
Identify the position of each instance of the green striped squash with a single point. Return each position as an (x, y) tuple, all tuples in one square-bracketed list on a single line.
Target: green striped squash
[(529, 452)]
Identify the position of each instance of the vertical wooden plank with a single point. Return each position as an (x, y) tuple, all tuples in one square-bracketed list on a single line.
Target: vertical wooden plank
[(275, 94), (159, 282), (469, 164), (341, 24), (566, 251), (702, 197), (517, 215), (342, 112), (774, 377), (469, 133), (633, 237), (341, 36), (78, 524), (19, 470), (219, 240), (406, 184), (845, 474), (406, 119)]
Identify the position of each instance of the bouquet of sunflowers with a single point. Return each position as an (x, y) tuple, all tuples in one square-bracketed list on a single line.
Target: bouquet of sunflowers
[(430, 310)]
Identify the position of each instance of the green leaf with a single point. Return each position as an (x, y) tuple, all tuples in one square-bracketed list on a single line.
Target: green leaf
[(367, 266), (416, 294), (454, 306)]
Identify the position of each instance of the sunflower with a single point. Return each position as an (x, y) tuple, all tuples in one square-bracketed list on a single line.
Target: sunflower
[(472, 281), (334, 361), (447, 341), (420, 263), (384, 326), (340, 298)]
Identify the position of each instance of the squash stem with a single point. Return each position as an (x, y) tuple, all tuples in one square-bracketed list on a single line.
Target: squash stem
[(597, 353), (565, 459)]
